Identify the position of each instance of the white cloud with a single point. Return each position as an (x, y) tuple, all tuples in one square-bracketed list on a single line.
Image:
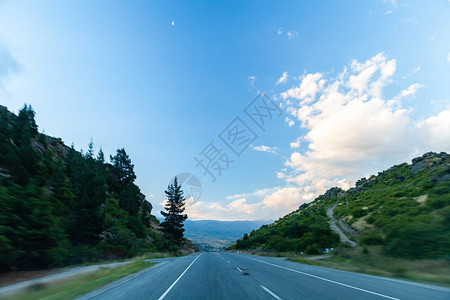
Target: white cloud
[(295, 144), (264, 148), (433, 133), (417, 69), (283, 78), (285, 200), (413, 71), (307, 90), (347, 131), (238, 209), (292, 34), (256, 194), (388, 12), (411, 90), (267, 204), (391, 2), (351, 130), (252, 80), (361, 80), (289, 121), (279, 31)]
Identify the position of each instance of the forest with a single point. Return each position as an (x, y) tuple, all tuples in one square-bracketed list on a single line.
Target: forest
[(59, 206)]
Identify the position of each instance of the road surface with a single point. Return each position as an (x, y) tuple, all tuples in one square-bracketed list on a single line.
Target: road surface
[(211, 275)]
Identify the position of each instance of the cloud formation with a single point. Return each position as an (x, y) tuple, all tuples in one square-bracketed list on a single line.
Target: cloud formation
[(295, 144), (351, 130), (263, 204), (348, 130), (252, 80), (292, 34), (264, 148), (283, 78)]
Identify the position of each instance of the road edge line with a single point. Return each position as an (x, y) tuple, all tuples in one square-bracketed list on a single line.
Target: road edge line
[(321, 278)]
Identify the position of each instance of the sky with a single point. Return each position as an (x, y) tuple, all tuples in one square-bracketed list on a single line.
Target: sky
[(268, 104)]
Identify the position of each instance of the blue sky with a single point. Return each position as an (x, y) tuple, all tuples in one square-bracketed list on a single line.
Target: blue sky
[(366, 85)]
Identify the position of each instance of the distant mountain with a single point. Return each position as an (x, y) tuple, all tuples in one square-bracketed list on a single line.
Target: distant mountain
[(404, 210), (212, 235)]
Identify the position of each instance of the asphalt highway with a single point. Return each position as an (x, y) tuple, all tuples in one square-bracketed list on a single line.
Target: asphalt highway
[(212, 275)]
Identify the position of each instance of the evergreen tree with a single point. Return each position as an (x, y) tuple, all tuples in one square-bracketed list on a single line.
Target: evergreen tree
[(22, 158), (5, 143), (123, 167), (174, 217), (59, 206), (101, 157)]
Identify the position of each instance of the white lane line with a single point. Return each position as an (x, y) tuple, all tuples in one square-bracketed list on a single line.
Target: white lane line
[(239, 269), (270, 292), (228, 261), (175, 282), (321, 278)]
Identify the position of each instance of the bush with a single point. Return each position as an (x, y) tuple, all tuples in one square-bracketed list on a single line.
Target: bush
[(372, 240), (313, 249)]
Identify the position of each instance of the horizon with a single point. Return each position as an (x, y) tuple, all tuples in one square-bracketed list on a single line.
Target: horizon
[(167, 81)]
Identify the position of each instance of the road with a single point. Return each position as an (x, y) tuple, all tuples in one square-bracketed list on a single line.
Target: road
[(211, 275)]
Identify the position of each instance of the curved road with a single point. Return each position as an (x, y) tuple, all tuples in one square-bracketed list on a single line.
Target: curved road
[(211, 275)]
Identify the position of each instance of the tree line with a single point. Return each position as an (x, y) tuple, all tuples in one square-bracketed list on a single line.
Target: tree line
[(59, 206)]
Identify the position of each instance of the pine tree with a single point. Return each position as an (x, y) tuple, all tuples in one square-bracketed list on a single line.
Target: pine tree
[(123, 167), (101, 156), (174, 217)]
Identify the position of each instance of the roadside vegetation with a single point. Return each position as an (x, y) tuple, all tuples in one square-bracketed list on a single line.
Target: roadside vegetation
[(306, 230), (370, 260), (399, 218), (77, 285), (60, 207)]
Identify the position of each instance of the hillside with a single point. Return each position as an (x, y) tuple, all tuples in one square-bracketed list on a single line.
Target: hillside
[(404, 210), (59, 206), (213, 235)]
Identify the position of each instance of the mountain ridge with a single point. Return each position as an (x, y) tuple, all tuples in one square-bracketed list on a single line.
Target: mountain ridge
[(404, 210)]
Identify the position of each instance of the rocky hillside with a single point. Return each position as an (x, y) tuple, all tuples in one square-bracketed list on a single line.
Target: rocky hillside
[(405, 210), (59, 206)]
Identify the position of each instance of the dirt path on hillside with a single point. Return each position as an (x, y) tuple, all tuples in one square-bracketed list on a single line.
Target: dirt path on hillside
[(336, 228)]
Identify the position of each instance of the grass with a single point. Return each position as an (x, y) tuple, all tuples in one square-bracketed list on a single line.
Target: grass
[(150, 255), (70, 288), (373, 262)]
